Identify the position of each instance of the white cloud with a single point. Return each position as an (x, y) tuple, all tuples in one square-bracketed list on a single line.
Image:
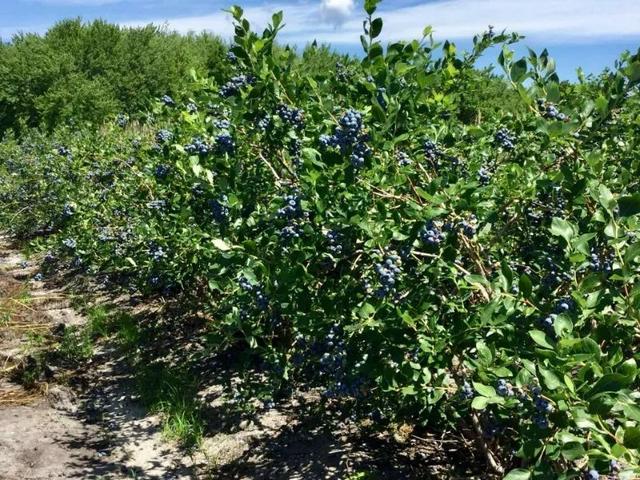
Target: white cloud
[(338, 22), (336, 12)]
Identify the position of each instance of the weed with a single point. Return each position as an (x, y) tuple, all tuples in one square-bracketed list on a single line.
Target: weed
[(172, 393), (76, 344)]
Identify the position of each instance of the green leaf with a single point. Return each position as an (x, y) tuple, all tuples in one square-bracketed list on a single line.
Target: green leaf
[(370, 6), (628, 368), (540, 338), (276, 19), (484, 390), (632, 437), (550, 379), (605, 197), (611, 382), (375, 50), (480, 403), (519, 70), (562, 325), (376, 27), (573, 451), (629, 205), (408, 390), (484, 353), (563, 228), (518, 474), (525, 286), (366, 310), (633, 71)]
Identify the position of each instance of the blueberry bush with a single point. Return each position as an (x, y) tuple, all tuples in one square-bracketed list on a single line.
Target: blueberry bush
[(375, 231)]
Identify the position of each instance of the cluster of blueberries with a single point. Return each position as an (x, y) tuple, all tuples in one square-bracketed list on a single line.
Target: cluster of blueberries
[(197, 147), (504, 388), (222, 123), (505, 139), (262, 301), (220, 209), (468, 227), (292, 212), (157, 252), (65, 152), (466, 391), (564, 305), (68, 210), (550, 111), (593, 474), (333, 363), (543, 408), (342, 74), (334, 240), (292, 206), (225, 143), (233, 86), (231, 57), (295, 150), (431, 152), (430, 234), (388, 272), (122, 120), (348, 135), (290, 231), (403, 159), (547, 322), (164, 136), (484, 176), (291, 115), (555, 274), (601, 261), (157, 204), (168, 101), (162, 171), (264, 123), (192, 107), (554, 199)]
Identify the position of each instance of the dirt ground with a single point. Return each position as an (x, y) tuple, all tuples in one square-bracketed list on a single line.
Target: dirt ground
[(88, 423), (57, 431)]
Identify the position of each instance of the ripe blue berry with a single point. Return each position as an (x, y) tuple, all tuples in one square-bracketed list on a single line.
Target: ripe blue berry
[(220, 209), (505, 139), (466, 392), (162, 171), (592, 475), (431, 234), (164, 136), (403, 159), (168, 101)]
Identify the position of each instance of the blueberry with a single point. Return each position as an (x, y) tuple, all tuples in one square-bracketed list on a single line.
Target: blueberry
[(505, 139), (592, 475)]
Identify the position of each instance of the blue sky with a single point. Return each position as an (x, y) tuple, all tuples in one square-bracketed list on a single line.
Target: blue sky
[(587, 33)]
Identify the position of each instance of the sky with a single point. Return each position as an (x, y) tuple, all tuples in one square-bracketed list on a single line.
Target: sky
[(586, 33)]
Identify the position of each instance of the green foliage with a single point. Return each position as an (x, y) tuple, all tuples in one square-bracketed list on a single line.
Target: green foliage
[(76, 344), (172, 393), (359, 229), (85, 73)]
